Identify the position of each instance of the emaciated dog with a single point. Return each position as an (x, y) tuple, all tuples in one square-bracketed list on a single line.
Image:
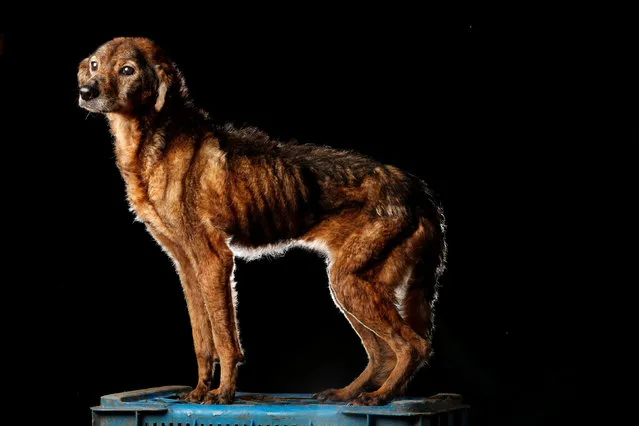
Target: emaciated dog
[(209, 192)]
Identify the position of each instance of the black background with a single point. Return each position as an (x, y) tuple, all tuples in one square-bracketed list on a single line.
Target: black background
[(488, 114)]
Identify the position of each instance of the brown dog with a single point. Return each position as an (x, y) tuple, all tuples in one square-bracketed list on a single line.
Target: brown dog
[(207, 193)]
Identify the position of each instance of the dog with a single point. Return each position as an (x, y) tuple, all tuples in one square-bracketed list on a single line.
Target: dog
[(208, 192)]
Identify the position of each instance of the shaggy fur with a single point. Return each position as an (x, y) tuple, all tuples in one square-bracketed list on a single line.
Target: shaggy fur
[(207, 193)]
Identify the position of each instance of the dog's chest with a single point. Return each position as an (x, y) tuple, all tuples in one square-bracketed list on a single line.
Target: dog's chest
[(153, 202), (159, 197), (154, 189)]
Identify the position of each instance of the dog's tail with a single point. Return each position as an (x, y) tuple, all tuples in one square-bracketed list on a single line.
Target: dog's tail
[(441, 243), (425, 281)]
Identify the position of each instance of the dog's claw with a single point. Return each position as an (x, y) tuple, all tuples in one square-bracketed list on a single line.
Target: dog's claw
[(332, 395), (320, 396), (217, 397), (368, 399), (196, 395)]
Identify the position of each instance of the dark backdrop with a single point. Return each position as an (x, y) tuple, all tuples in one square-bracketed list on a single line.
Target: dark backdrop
[(484, 116)]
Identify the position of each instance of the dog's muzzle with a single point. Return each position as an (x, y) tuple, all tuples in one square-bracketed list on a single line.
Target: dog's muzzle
[(89, 91)]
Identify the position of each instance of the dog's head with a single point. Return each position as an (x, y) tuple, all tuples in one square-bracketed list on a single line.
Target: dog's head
[(127, 75)]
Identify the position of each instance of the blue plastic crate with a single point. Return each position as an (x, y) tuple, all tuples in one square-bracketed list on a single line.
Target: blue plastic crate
[(162, 407)]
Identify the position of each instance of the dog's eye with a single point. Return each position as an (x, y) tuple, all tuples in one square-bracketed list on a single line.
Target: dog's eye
[(127, 70), (94, 66)]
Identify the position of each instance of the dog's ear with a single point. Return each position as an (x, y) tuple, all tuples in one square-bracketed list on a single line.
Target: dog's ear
[(165, 80), (83, 71)]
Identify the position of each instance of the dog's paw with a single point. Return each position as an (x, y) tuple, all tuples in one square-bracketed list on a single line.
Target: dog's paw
[(369, 398), (197, 394), (218, 397), (332, 395)]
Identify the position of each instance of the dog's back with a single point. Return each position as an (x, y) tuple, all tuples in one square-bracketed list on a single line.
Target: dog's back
[(283, 189)]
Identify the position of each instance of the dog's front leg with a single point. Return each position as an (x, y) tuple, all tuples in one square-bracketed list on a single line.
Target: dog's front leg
[(200, 325), (215, 267)]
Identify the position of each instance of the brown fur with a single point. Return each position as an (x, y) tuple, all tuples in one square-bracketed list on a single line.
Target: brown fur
[(209, 192)]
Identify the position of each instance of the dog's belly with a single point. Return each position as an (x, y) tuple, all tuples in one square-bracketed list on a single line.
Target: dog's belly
[(277, 249), (265, 225)]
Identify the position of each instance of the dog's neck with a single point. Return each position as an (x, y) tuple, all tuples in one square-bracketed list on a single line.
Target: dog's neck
[(129, 134), (139, 141)]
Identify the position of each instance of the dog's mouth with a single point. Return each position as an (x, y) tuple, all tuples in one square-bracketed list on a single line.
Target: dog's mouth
[(98, 105)]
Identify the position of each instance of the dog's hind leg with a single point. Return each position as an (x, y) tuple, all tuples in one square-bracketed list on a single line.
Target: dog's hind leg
[(381, 361), (376, 311), (200, 325), (368, 271)]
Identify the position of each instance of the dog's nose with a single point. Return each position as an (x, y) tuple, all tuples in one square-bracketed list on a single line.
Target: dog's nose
[(89, 92)]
